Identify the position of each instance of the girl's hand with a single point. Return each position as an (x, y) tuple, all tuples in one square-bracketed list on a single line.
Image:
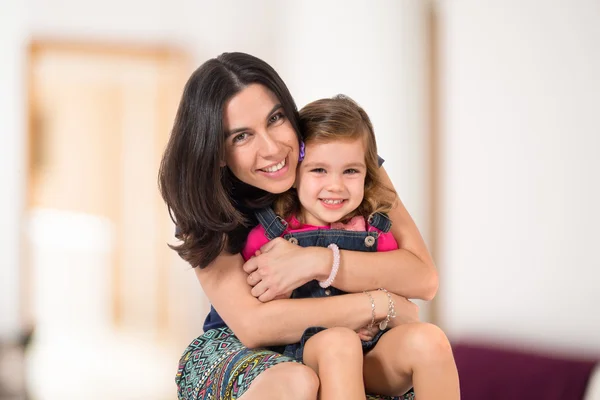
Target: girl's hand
[(365, 334), (280, 267)]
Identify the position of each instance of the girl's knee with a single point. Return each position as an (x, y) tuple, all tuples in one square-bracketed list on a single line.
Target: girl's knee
[(429, 341), (337, 340)]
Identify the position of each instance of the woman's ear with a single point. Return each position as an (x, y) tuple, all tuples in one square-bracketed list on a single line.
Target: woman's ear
[(222, 164)]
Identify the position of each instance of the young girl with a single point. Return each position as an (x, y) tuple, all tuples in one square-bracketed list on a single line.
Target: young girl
[(337, 202)]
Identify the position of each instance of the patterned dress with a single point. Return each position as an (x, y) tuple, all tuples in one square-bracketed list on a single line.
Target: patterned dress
[(217, 366)]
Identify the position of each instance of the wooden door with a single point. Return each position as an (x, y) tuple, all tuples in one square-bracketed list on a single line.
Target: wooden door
[(97, 264)]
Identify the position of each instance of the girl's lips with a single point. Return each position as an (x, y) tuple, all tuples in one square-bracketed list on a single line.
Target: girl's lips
[(333, 206)]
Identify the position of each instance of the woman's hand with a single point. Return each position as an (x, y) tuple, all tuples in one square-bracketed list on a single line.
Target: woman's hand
[(280, 267)]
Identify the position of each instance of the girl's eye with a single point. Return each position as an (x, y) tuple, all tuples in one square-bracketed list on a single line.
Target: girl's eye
[(351, 171), (276, 117), (240, 137), (318, 170)]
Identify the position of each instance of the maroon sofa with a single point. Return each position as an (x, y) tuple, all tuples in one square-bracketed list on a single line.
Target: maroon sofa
[(494, 372)]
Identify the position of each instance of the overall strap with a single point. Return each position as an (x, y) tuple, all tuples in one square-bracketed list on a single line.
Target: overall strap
[(380, 221), (273, 224)]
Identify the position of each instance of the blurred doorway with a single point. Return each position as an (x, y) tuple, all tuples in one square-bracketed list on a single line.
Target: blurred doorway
[(97, 267)]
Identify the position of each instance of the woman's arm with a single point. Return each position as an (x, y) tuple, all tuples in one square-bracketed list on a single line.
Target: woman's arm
[(408, 271), (259, 324)]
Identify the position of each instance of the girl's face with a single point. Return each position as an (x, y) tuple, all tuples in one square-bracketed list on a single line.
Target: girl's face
[(261, 146), (331, 180)]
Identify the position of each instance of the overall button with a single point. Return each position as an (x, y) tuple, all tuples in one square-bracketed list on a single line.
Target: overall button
[(327, 292), (293, 240), (369, 241)]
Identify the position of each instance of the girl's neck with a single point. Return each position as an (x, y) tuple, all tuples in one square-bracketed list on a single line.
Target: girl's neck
[(306, 218)]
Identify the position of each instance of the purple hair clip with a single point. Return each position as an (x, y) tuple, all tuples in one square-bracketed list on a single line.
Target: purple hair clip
[(301, 157)]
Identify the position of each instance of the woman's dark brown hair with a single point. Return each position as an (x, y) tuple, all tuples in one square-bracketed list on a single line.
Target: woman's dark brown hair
[(341, 118), (209, 205)]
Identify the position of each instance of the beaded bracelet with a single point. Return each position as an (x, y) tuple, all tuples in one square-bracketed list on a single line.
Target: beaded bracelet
[(334, 267), (372, 310), (391, 310)]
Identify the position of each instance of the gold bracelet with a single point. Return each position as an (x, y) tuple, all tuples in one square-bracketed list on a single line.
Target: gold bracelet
[(391, 310), (372, 310)]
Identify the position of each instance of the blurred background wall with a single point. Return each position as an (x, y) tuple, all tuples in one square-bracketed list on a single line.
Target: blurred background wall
[(520, 172), (486, 113)]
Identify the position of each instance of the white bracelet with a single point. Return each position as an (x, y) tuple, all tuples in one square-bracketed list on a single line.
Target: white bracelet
[(334, 267)]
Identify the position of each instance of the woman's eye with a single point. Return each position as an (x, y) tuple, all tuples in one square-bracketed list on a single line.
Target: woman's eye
[(276, 117), (318, 170), (351, 171), (239, 137)]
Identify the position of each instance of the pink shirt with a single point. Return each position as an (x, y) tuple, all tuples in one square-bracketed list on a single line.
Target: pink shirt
[(257, 237)]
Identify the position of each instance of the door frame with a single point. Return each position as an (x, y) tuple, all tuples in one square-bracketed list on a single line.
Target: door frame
[(166, 55)]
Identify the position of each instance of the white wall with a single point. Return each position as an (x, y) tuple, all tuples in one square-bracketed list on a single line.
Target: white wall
[(12, 123), (520, 171), (130, 20)]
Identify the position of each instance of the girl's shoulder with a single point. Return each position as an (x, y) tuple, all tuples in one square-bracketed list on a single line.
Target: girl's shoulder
[(255, 240), (381, 223), (386, 242)]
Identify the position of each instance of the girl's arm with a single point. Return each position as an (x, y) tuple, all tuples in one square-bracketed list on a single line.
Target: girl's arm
[(259, 324), (408, 271)]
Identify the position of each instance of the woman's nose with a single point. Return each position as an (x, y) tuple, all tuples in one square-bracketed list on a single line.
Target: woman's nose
[(268, 145)]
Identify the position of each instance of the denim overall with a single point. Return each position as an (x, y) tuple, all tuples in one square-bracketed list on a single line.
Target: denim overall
[(275, 226)]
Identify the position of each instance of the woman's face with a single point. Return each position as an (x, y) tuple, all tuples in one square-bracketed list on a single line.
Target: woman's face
[(261, 146)]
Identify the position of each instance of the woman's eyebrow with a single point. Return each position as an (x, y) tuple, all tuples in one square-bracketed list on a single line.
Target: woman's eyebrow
[(275, 108), (238, 130), (233, 132)]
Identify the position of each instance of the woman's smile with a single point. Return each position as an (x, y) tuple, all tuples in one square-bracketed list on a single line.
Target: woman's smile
[(273, 168)]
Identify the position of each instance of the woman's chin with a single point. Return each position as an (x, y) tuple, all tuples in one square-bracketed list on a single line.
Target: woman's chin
[(280, 187), (276, 187)]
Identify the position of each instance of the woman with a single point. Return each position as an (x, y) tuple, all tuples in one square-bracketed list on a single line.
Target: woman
[(233, 148)]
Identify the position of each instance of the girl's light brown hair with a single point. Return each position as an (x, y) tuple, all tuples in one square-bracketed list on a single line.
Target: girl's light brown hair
[(341, 118)]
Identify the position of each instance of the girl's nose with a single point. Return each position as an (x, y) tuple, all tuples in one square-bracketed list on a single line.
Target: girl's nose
[(335, 183)]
